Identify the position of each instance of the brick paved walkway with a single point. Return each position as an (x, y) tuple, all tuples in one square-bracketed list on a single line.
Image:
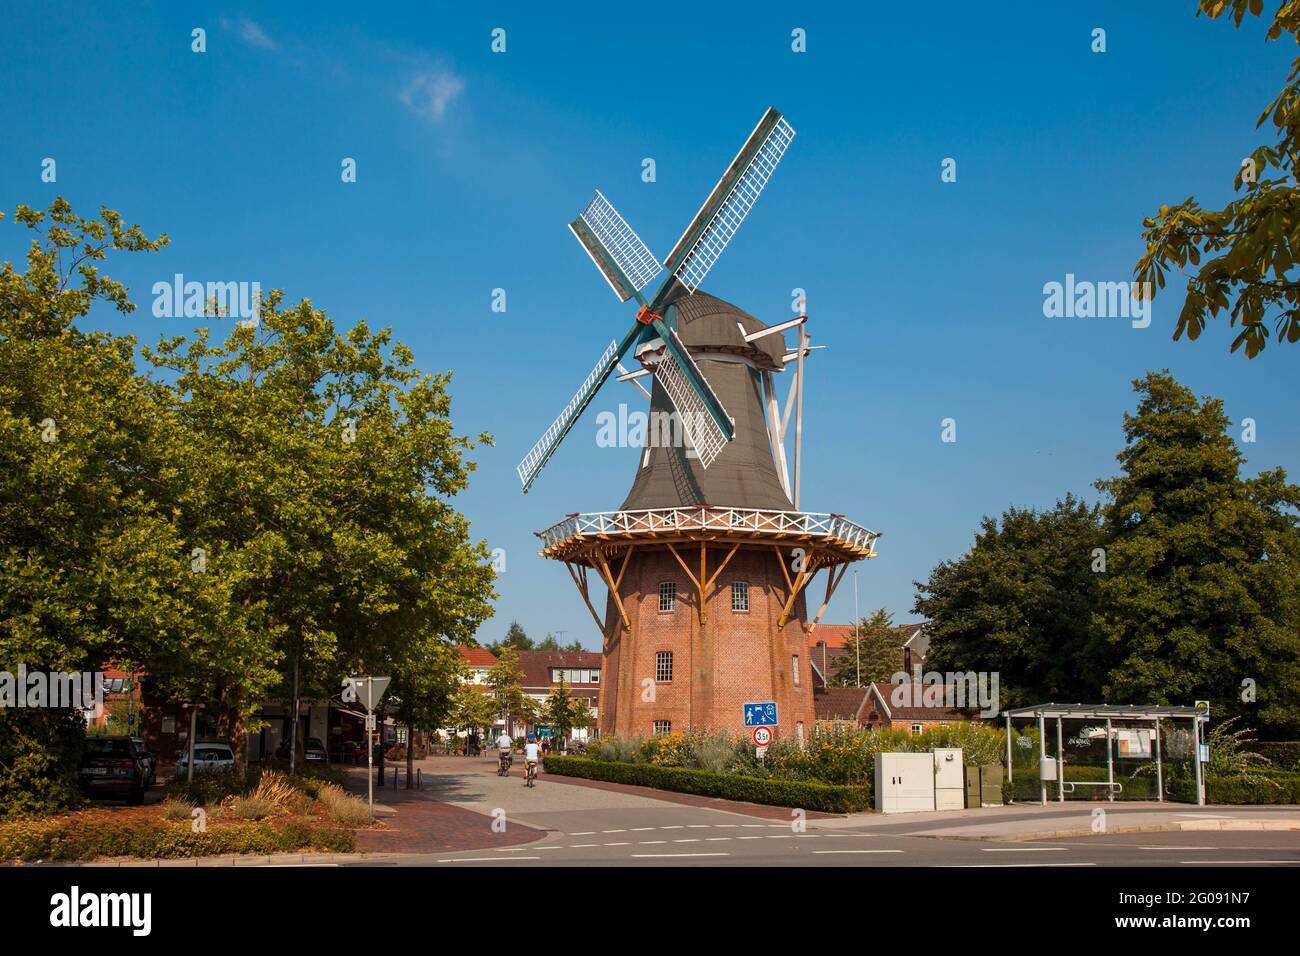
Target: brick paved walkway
[(415, 821)]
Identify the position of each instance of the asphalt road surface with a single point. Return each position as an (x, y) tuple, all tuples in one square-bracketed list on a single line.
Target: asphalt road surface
[(580, 825)]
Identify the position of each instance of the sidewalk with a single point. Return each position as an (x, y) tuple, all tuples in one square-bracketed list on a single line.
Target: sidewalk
[(1019, 822), (419, 821)]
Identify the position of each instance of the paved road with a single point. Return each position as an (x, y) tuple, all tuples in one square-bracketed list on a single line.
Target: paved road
[(581, 825)]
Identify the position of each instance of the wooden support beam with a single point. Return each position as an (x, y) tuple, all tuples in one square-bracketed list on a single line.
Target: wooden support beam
[(833, 580), (613, 586), (780, 560), (683, 564), (800, 582), (627, 555), (579, 575), (725, 561)]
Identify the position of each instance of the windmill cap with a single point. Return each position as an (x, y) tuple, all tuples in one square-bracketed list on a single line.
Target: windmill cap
[(706, 323)]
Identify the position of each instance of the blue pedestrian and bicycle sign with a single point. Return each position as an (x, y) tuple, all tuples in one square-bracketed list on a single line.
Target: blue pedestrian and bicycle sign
[(760, 715)]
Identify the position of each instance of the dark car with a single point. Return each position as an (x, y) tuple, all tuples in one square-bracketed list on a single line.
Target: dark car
[(314, 751), (150, 759), (112, 768)]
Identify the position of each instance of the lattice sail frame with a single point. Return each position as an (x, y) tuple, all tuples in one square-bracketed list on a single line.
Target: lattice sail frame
[(536, 459), (731, 212), (618, 243), (704, 434)]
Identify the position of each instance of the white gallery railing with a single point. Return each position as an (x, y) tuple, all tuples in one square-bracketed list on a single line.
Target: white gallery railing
[(752, 520)]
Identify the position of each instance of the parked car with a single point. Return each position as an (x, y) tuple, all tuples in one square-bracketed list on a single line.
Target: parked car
[(112, 768), (150, 759), (314, 751), (209, 756)]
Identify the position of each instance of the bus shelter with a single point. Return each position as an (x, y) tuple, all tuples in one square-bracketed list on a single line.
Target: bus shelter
[(1107, 713)]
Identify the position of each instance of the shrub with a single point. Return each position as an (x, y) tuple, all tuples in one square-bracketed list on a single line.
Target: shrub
[(173, 809), (343, 807), (1282, 754), (212, 787), (40, 751), (250, 808), (781, 793), (74, 839)]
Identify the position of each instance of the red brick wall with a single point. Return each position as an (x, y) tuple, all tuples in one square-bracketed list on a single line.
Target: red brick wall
[(736, 658)]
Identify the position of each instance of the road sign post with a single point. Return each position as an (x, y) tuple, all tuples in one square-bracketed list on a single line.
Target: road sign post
[(369, 691)]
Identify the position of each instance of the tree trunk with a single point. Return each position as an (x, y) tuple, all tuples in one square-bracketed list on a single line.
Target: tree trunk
[(410, 756)]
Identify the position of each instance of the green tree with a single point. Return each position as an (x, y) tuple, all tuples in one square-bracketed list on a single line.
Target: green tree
[(1245, 253), (1199, 593), (560, 709), (473, 709), (95, 563), (874, 654), (506, 678), (330, 513), (515, 638), (1020, 602)]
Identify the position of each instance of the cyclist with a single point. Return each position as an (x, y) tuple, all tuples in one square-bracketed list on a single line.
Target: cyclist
[(505, 745), (532, 755)]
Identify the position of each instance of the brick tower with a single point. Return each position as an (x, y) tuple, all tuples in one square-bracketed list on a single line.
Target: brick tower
[(706, 568)]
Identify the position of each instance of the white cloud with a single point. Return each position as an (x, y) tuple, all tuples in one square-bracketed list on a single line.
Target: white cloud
[(431, 92), (250, 32)]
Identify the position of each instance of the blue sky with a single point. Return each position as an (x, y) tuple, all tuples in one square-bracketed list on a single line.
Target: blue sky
[(928, 295)]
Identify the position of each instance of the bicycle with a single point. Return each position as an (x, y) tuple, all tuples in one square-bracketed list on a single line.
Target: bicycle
[(531, 774), (503, 764)]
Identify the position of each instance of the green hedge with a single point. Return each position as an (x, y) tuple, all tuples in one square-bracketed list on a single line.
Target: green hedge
[(1283, 754), (780, 793), (70, 839), (1284, 788)]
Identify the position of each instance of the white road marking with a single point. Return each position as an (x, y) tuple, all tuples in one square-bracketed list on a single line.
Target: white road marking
[(640, 829), (650, 842), (618, 844), (582, 846), (693, 840), (489, 859), (857, 851), (1023, 849), (613, 831), (1170, 846), (663, 855)]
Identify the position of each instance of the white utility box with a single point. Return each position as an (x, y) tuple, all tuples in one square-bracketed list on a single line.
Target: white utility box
[(949, 779), (904, 782)]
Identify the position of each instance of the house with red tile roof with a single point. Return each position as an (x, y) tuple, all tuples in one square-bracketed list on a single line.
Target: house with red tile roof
[(579, 670), (479, 660)]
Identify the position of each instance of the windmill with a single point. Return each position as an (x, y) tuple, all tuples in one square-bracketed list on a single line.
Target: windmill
[(629, 267)]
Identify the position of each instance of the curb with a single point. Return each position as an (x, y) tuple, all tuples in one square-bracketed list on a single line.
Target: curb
[(1185, 826)]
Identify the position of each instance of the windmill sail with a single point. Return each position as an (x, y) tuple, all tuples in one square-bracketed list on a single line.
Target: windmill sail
[(618, 252), (696, 404), (730, 202), (541, 452)]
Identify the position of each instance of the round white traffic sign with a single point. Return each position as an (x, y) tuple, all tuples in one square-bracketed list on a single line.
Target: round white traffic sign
[(762, 736)]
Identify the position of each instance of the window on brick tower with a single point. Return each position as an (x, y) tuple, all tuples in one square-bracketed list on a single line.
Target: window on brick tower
[(668, 596), (663, 727), (663, 666), (794, 668), (740, 595)]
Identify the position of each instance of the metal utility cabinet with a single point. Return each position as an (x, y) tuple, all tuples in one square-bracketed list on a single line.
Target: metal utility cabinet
[(905, 782), (949, 779)]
